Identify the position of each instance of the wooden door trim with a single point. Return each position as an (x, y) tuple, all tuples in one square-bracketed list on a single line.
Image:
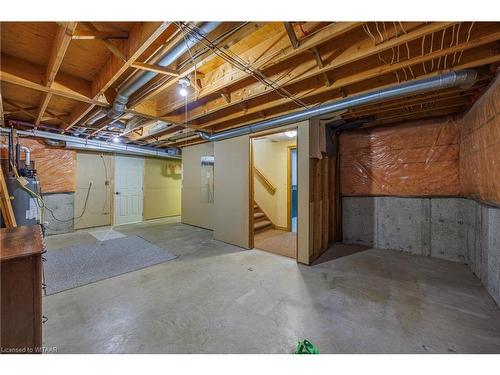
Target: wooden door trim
[(289, 187)]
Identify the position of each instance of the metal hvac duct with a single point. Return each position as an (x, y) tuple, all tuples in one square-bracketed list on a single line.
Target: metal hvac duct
[(92, 144), (124, 93), (463, 78)]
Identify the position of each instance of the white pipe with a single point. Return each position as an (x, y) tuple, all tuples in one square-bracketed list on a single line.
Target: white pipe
[(27, 156)]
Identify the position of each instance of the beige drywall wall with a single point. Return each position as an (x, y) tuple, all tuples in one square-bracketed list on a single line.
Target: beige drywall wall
[(193, 210), (271, 158), (91, 167), (229, 215), (162, 188), (231, 191)]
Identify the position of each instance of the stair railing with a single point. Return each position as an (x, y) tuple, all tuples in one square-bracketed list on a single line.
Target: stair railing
[(270, 187)]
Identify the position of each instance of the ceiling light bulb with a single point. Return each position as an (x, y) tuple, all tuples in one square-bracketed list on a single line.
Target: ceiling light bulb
[(183, 91), (116, 139), (291, 133)]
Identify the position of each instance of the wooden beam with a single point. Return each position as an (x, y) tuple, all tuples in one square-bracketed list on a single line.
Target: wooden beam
[(19, 108), (61, 43), (220, 123), (155, 68), (268, 53), (446, 106), (59, 48), (141, 37), (42, 106), (291, 35), (203, 52), (412, 101), (23, 73), (306, 70), (305, 74), (320, 64), (95, 34), (114, 49), (203, 59), (349, 54)]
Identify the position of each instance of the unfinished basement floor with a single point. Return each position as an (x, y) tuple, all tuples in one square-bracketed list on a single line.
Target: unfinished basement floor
[(218, 298)]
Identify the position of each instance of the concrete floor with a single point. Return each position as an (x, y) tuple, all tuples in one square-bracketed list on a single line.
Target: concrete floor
[(218, 298)]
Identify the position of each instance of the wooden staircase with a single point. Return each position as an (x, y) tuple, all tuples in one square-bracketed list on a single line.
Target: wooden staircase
[(261, 222)]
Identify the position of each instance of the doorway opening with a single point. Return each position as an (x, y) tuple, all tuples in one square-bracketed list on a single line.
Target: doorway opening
[(273, 193)]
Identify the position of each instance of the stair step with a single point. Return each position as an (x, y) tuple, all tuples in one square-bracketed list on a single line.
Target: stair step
[(258, 215), (255, 206), (262, 224)]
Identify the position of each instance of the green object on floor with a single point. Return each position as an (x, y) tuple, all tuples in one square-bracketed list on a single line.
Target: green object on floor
[(306, 347)]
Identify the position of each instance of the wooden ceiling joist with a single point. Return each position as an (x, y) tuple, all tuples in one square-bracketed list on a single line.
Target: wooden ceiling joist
[(307, 69), (267, 54), (155, 68), (64, 34), (96, 34), (291, 34), (23, 73), (241, 73), (202, 60), (140, 38), (307, 72)]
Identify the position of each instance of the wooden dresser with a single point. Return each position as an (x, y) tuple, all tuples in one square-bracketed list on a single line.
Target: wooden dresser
[(21, 251)]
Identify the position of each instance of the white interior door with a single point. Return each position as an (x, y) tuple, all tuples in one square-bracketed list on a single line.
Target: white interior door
[(129, 173)]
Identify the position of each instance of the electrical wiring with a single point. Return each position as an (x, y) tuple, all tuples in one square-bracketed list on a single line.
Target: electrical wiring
[(451, 43), (442, 46), (468, 38), (402, 28), (409, 58), (245, 67), (105, 210), (432, 48), (366, 28), (163, 80), (75, 217), (406, 75), (379, 55), (423, 47), (41, 202), (379, 33), (186, 119), (301, 29), (397, 36), (385, 31), (458, 36), (179, 25)]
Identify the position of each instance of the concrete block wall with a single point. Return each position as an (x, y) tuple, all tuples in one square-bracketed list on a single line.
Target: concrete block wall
[(62, 205), (456, 229)]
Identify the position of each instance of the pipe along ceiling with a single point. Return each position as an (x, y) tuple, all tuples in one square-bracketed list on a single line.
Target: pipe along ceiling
[(462, 78)]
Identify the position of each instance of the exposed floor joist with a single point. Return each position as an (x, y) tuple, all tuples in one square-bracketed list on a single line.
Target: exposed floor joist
[(239, 74)]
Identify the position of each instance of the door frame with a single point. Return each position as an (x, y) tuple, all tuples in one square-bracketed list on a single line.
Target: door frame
[(251, 178), (113, 214), (289, 186)]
